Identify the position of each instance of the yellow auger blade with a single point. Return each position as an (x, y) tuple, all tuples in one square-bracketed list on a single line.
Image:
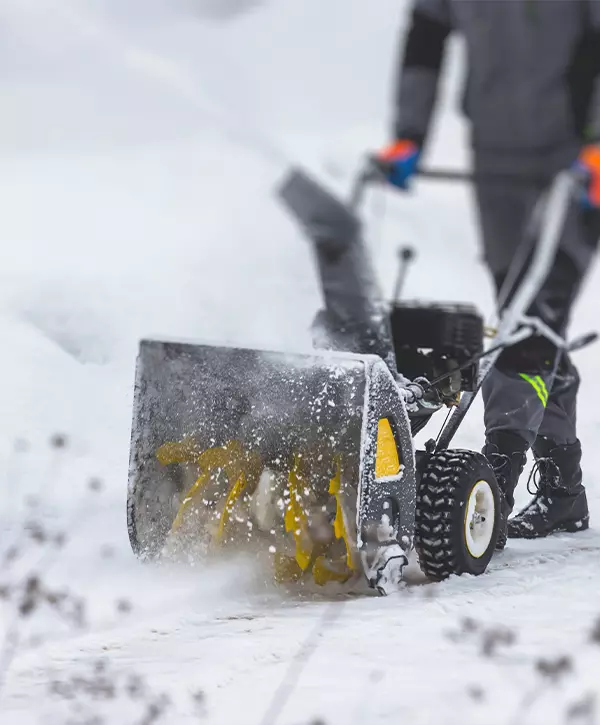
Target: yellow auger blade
[(327, 570), (286, 569), (235, 493), (208, 462), (339, 527), (185, 451), (296, 520), (241, 469), (190, 496)]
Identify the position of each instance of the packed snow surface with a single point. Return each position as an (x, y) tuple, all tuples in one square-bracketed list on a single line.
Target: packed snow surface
[(141, 143)]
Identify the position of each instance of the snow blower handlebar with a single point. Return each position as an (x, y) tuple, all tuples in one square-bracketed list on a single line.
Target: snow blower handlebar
[(377, 171)]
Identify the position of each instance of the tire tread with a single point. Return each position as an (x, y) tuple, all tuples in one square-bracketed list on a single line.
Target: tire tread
[(436, 502)]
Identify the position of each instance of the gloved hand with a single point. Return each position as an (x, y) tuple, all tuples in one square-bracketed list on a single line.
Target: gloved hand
[(401, 158), (588, 164)]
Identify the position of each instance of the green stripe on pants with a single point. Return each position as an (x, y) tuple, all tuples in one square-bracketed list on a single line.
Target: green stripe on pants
[(539, 386)]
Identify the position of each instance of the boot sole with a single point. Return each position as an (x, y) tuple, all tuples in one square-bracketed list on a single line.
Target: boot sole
[(569, 527)]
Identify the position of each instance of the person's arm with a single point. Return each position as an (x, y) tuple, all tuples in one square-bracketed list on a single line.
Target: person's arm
[(593, 130), (589, 159), (420, 68)]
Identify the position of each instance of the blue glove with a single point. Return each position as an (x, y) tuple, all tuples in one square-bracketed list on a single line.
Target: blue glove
[(401, 158)]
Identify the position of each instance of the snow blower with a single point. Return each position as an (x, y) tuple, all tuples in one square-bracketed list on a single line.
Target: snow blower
[(308, 460)]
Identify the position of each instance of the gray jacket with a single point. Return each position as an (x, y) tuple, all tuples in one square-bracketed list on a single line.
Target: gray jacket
[(533, 76)]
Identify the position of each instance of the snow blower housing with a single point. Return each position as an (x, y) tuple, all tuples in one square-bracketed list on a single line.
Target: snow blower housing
[(308, 460), (271, 450)]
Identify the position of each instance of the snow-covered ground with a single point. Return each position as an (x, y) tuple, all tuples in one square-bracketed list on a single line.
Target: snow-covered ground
[(140, 145)]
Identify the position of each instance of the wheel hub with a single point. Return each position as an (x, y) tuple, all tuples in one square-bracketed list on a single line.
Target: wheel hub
[(479, 519)]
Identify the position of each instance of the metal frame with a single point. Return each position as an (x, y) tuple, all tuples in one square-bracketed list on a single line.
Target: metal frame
[(515, 326)]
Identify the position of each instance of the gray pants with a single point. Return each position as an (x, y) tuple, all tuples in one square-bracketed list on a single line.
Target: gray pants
[(518, 394), (531, 405)]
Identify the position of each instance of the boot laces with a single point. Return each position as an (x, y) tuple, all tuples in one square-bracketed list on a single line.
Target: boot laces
[(499, 462), (545, 474)]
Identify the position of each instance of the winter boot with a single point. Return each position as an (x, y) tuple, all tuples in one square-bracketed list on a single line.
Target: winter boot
[(507, 454), (559, 503)]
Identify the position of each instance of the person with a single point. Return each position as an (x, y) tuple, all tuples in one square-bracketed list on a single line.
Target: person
[(532, 97)]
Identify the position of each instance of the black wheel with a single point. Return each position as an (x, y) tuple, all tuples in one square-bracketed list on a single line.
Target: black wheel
[(457, 516)]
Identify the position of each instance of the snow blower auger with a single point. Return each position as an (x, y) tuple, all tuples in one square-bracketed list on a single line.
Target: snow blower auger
[(307, 460)]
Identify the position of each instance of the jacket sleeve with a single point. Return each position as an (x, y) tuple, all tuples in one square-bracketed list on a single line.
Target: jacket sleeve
[(420, 66), (593, 131)]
